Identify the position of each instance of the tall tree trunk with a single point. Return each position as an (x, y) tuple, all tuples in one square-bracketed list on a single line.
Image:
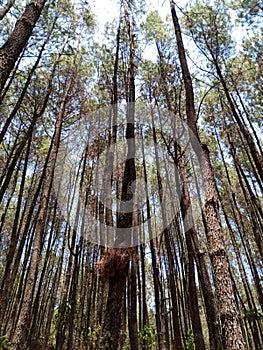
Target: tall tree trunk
[(192, 241), (174, 295), (6, 285), (6, 8), (193, 247), (155, 268), (18, 39), (25, 88), (257, 157), (18, 341), (9, 280), (114, 316), (227, 306), (112, 337), (132, 308)]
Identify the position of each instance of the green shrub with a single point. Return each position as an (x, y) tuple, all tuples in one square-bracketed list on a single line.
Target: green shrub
[(4, 342)]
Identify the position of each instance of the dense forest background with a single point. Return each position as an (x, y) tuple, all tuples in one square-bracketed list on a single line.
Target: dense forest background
[(183, 270)]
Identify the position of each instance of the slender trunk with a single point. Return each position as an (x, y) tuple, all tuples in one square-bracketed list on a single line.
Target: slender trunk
[(24, 90), (132, 314), (6, 8), (227, 306), (258, 160), (193, 247), (17, 154), (73, 298), (155, 268), (6, 285), (20, 333), (144, 309), (114, 317), (174, 295), (35, 322), (55, 289), (192, 296), (18, 39), (192, 241)]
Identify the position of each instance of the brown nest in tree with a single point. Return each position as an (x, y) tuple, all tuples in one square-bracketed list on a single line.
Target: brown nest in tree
[(114, 260)]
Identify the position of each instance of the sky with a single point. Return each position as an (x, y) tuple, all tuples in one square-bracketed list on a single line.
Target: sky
[(107, 10)]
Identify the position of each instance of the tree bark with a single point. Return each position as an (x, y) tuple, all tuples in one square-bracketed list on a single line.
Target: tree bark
[(115, 316), (18, 341), (227, 306), (132, 314), (18, 39), (25, 88), (6, 8)]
